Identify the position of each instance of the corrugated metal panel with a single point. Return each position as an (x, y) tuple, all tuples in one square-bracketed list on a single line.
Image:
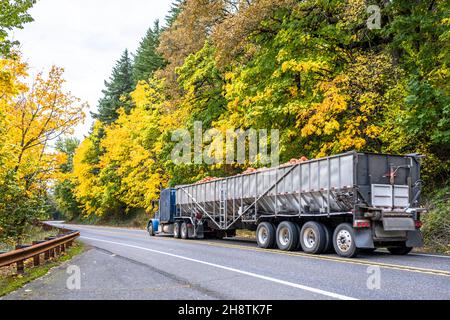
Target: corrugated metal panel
[(318, 186), (282, 188)]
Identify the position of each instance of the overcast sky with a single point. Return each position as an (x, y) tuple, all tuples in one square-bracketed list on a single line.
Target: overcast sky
[(86, 38)]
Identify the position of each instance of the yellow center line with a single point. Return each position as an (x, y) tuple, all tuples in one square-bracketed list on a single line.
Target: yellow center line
[(297, 254)]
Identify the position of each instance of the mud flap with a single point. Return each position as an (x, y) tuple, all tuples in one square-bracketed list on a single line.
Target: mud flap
[(415, 239), (364, 239), (197, 233)]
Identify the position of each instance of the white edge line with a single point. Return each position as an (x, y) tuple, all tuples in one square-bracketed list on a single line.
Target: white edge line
[(250, 274)]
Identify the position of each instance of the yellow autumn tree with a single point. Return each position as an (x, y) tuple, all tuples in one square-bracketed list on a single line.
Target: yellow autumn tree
[(12, 74), (31, 117), (348, 115), (122, 169), (36, 117), (88, 187)]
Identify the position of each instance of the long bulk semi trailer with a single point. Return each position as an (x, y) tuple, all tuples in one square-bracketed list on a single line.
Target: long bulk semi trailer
[(348, 202)]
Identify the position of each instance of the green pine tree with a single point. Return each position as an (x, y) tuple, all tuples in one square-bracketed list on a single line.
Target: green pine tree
[(117, 91), (174, 11), (146, 59)]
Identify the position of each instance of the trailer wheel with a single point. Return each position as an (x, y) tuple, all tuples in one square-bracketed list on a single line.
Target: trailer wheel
[(329, 237), (177, 230), (287, 236), (299, 231), (400, 251), (344, 241), (313, 238), (184, 231), (265, 235)]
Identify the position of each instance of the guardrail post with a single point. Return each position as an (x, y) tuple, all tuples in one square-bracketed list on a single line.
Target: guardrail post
[(47, 255), (63, 248), (20, 267), (19, 264), (37, 258)]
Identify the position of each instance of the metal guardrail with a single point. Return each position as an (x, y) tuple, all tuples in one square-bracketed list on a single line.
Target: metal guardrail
[(50, 248)]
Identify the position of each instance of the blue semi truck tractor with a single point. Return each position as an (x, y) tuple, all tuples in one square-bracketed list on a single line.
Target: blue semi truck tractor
[(346, 203)]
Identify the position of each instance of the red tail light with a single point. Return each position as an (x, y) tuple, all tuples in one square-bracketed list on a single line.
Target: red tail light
[(361, 224), (419, 224)]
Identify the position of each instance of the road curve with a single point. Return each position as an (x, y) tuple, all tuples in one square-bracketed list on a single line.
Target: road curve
[(128, 264)]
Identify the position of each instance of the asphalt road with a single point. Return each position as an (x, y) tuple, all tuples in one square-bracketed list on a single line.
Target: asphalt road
[(128, 264)]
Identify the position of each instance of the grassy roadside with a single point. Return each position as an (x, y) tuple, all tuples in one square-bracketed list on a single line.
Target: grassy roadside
[(436, 229), (10, 282), (32, 233), (246, 234)]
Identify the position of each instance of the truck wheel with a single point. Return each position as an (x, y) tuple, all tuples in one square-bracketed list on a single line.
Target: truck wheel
[(287, 236), (400, 251), (344, 241), (184, 231), (177, 230), (150, 230), (265, 235), (299, 243), (329, 237), (313, 238)]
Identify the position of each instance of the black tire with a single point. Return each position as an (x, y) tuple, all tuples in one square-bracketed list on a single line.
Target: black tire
[(265, 235), (287, 236), (329, 239), (184, 231), (150, 230), (344, 241), (177, 230), (299, 244), (400, 251), (313, 238)]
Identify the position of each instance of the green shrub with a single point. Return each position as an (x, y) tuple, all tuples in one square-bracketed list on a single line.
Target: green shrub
[(436, 228)]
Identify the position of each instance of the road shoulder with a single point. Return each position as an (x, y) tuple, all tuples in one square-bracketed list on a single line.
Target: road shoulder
[(11, 283), (106, 276)]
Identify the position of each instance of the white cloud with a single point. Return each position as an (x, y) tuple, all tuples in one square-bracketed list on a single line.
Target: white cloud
[(86, 37)]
